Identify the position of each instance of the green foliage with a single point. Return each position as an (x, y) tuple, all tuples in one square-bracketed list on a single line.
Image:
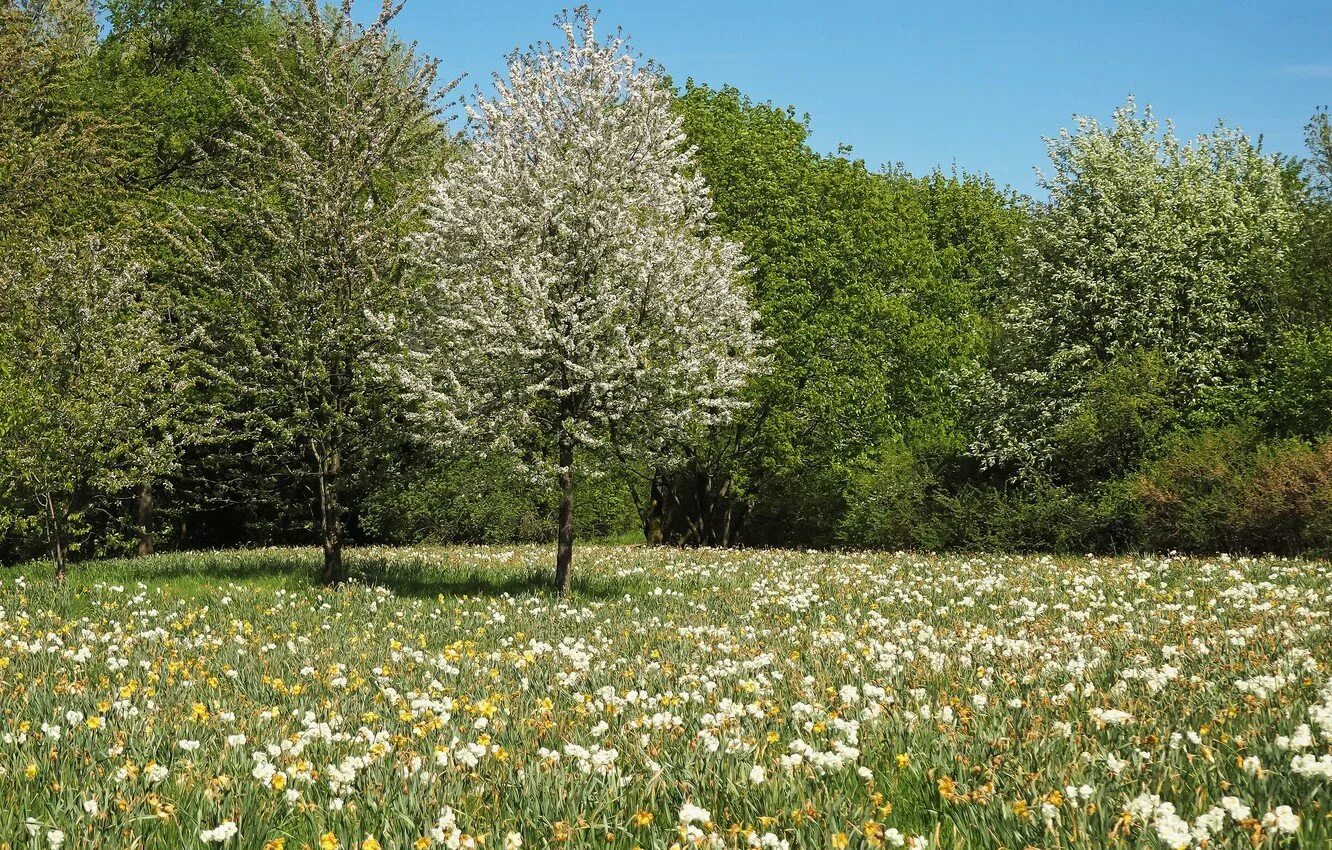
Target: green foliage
[(85, 382), (78, 325), (488, 499), (165, 67), (852, 279), (56, 153), (976, 227), (1297, 387), (1125, 414), (904, 503), (1186, 497), (1308, 301), (1286, 505), (888, 503)]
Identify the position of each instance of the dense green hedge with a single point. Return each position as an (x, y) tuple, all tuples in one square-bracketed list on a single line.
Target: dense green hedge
[(488, 500), (1212, 491)]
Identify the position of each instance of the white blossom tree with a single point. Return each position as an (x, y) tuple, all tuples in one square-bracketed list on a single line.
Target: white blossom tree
[(581, 301), (1148, 244)]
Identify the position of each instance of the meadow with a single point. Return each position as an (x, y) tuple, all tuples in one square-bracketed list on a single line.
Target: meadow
[(674, 699)]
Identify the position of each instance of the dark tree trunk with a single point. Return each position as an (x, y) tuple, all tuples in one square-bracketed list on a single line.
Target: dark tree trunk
[(564, 548), (696, 507), (330, 509), (144, 517), (652, 529), (56, 517), (334, 573)]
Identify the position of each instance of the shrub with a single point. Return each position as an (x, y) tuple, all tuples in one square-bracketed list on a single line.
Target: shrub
[(464, 500), (488, 500), (1286, 502), (888, 505), (1221, 490), (1126, 412), (1185, 498)]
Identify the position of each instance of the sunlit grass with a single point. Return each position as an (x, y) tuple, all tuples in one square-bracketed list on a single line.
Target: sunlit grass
[(693, 698)]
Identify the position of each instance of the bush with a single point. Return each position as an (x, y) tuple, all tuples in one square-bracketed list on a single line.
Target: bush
[(1222, 490), (1186, 497), (1286, 503), (462, 500), (1126, 412), (489, 500), (902, 501), (887, 504)]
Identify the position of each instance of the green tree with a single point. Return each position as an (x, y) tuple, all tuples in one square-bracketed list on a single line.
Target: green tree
[(868, 327), (82, 375), (164, 70), (975, 225), (75, 318), (1296, 391), (56, 153), (1310, 301), (341, 134)]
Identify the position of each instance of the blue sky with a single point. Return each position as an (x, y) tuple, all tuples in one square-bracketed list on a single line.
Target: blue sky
[(937, 83)]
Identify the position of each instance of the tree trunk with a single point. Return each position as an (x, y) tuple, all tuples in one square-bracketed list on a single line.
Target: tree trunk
[(334, 574), (652, 529), (57, 537), (330, 510), (61, 560), (564, 550), (144, 515), (728, 512)]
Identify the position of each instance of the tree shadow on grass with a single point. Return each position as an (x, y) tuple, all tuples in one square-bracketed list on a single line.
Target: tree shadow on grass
[(235, 565), (200, 573), (422, 581)]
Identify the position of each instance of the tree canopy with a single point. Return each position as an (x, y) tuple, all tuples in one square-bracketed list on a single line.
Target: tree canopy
[(258, 286)]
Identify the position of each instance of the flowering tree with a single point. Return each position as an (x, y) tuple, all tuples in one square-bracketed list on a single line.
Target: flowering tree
[(329, 178), (581, 300), (84, 383), (1148, 245)]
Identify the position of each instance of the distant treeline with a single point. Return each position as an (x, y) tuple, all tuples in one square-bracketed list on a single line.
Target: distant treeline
[(1141, 358)]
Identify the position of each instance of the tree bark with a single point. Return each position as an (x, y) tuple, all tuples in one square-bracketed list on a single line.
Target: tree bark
[(652, 530), (57, 535), (331, 516), (564, 548), (144, 516)]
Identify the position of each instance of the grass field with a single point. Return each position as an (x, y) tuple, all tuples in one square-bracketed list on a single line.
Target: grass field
[(677, 698)]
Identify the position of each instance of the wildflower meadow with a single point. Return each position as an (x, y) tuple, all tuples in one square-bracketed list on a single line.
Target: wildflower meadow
[(674, 699), (330, 332)]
